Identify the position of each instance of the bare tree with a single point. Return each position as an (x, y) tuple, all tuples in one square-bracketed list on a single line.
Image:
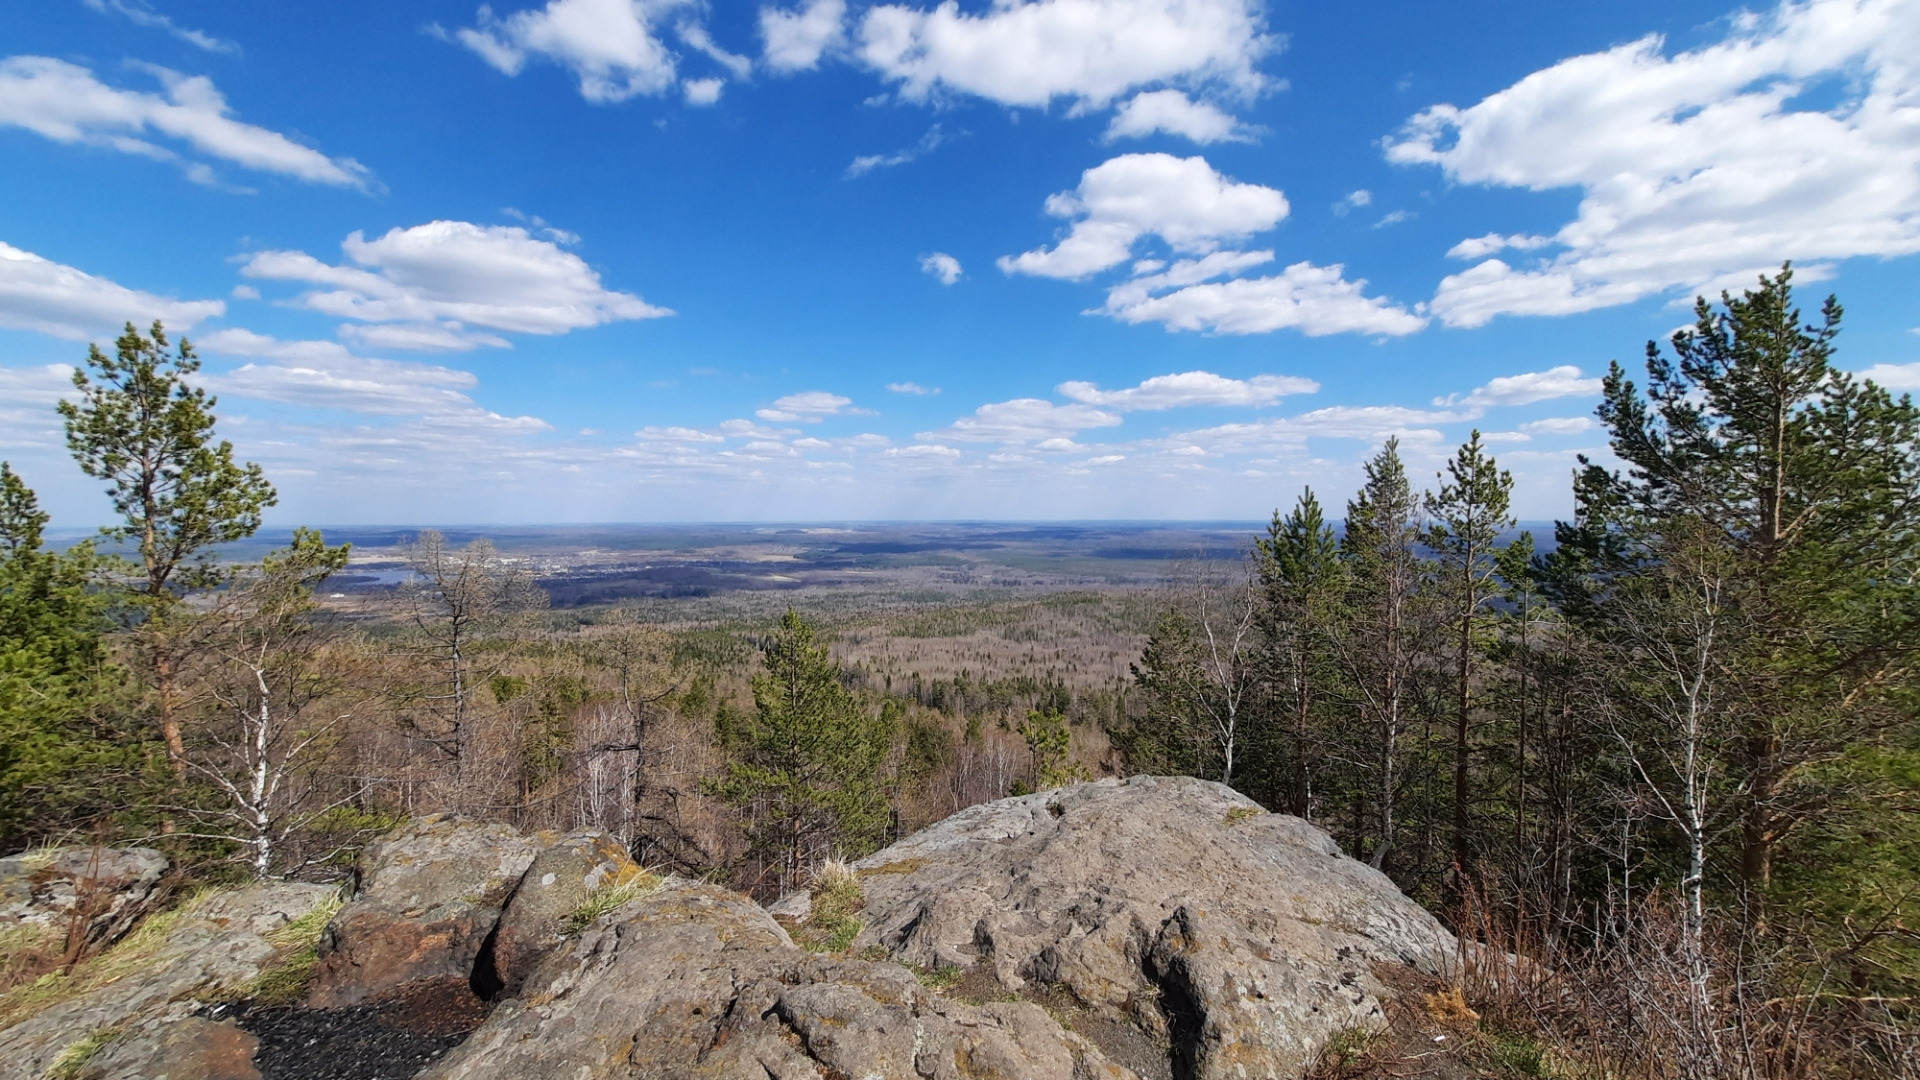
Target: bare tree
[(454, 597), (274, 702)]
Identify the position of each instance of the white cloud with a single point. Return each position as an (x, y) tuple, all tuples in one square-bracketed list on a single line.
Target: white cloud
[(1354, 201), (325, 375), (911, 388), (795, 40), (866, 163), (1371, 423), (1174, 113), (704, 91), (1696, 168), (702, 42), (679, 435), (39, 294), (1181, 200), (1895, 377), (440, 277), (1022, 420), (1559, 425), (1030, 52), (941, 265), (421, 337), (1190, 388), (1563, 381), (611, 46), (141, 13), (1394, 217), (924, 450), (1480, 247), (1315, 300), (810, 406), (65, 103)]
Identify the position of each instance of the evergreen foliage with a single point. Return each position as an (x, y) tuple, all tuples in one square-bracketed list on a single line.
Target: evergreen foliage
[(809, 759)]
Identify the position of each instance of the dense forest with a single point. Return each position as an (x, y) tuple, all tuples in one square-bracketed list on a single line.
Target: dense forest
[(1670, 759)]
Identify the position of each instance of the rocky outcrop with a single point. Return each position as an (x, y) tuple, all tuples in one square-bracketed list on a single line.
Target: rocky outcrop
[(124, 1013), (698, 982), (1243, 940), (426, 898), (1107, 931), (108, 887), (561, 879)]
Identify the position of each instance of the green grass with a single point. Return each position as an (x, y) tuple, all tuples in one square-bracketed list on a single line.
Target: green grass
[(832, 926), (611, 897), (77, 1053), (287, 976), (939, 979)]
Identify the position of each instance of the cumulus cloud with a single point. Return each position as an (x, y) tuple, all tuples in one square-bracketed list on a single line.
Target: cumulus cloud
[(439, 278), (924, 450), (1479, 247), (612, 47), (43, 295), (65, 103), (1190, 388), (811, 406), (795, 40), (1174, 113), (325, 375), (1563, 381), (1370, 423), (704, 91), (1031, 52), (912, 388), (1022, 420), (1559, 425), (1183, 201), (1695, 168), (141, 13), (1895, 377), (941, 265), (1315, 300)]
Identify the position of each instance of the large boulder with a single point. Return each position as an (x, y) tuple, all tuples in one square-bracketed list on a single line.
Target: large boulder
[(693, 981), (426, 897), (108, 887), (562, 878), (123, 1014), (1243, 940)]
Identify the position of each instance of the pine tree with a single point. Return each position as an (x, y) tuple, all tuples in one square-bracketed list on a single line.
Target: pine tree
[(1809, 479), (1303, 584), (143, 427), (1378, 645), (810, 760), (1469, 512), (59, 740)]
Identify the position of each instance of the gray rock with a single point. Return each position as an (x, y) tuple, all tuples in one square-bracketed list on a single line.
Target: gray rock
[(1244, 939), (427, 895), (43, 888), (560, 879), (213, 949), (697, 982), (192, 1048)]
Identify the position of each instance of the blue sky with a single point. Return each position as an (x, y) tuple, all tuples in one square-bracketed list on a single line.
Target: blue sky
[(606, 260)]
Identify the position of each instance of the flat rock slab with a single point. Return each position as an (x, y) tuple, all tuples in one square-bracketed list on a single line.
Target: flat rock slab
[(1243, 939), (698, 982), (214, 949)]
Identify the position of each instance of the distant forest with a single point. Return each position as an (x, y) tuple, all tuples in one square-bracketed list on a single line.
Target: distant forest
[(1668, 755)]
